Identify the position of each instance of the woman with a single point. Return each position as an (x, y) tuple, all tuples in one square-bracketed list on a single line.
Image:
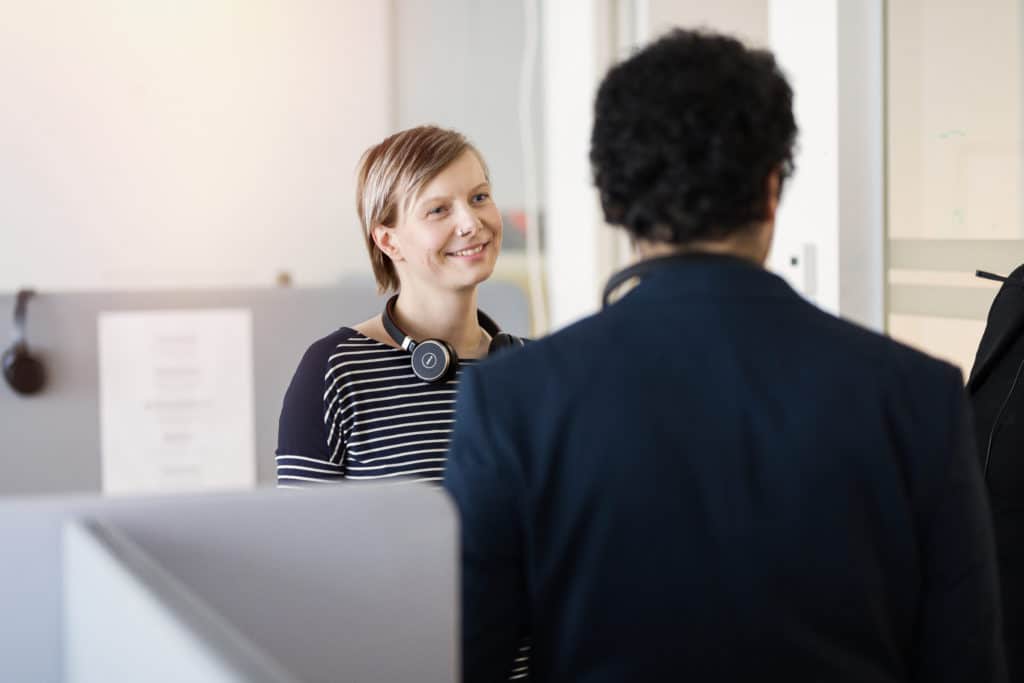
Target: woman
[(360, 405), (369, 401)]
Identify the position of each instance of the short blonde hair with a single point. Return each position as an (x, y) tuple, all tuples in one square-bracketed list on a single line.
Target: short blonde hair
[(392, 173)]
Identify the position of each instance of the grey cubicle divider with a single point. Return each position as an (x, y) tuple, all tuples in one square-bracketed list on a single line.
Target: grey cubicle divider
[(354, 582), (51, 442), (109, 582)]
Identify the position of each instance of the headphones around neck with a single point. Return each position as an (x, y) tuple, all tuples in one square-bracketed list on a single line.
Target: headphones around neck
[(23, 371), (435, 360)]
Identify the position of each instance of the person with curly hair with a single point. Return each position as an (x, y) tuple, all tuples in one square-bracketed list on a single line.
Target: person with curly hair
[(719, 481)]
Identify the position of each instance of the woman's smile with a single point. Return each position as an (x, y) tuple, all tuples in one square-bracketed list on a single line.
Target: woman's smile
[(470, 252)]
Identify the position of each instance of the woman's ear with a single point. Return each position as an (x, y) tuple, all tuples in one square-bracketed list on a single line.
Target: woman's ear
[(387, 241)]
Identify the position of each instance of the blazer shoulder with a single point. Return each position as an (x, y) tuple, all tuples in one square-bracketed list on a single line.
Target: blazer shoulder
[(876, 352)]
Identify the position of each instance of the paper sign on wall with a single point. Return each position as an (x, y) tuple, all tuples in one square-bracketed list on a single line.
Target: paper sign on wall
[(176, 400)]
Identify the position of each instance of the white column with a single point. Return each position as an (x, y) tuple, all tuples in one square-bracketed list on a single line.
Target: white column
[(829, 236), (576, 50), (804, 37), (862, 270)]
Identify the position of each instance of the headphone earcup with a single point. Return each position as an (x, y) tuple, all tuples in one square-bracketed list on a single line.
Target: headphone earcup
[(23, 371), (503, 340), (434, 360)]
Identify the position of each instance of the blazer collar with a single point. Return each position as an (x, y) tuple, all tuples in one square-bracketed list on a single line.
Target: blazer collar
[(710, 274)]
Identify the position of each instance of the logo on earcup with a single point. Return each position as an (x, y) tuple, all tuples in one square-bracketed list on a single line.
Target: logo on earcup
[(433, 360)]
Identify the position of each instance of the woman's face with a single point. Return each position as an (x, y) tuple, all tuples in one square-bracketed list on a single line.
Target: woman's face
[(449, 235)]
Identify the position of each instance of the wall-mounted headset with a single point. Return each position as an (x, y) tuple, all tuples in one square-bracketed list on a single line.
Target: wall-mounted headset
[(435, 360), (23, 371)]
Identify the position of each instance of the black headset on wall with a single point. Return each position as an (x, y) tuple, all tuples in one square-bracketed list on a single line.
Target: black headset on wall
[(23, 371), (435, 360)]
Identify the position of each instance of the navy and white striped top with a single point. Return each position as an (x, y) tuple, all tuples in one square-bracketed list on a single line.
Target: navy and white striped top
[(355, 410)]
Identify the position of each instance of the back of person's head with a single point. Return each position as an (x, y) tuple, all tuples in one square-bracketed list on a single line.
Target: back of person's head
[(687, 133), (391, 174)]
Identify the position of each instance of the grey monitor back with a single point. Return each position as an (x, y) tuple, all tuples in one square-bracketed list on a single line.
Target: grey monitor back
[(355, 582), (51, 442)]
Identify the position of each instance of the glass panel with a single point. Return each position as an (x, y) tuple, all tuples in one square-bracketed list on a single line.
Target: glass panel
[(952, 339), (953, 167), (473, 81)]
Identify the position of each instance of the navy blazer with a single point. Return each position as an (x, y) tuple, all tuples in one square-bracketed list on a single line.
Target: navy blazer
[(713, 480)]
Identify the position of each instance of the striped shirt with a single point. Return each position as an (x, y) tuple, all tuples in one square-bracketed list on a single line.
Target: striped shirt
[(354, 410)]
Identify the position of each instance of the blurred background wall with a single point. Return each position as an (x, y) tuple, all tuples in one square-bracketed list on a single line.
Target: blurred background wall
[(148, 144)]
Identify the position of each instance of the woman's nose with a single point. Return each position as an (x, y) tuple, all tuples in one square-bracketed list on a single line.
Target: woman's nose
[(468, 222)]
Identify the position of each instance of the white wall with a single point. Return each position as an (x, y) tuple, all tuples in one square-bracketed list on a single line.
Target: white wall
[(189, 143), (745, 19)]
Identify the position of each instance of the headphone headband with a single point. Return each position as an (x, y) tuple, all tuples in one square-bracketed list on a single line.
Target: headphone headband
[(639, 270), (435, 360), (408, 343), (649, 265), (20, 314), (394, 331)]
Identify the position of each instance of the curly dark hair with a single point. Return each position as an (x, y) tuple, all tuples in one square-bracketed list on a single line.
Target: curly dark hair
[(686, 133)]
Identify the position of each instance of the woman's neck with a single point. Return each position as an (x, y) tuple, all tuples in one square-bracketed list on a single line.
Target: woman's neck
[(450, 316)]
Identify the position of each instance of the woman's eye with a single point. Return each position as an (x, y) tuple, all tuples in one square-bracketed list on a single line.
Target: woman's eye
[(480, 197), (436, 211)]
